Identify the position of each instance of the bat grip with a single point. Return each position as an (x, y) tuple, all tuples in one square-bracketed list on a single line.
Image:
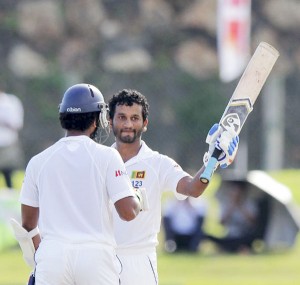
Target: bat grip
[(210, 168)]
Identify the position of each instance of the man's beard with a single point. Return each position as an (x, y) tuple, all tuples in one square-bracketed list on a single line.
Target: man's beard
[(128, 138)]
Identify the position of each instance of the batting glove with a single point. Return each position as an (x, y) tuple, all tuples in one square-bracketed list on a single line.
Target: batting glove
[(143, 198), (211, 140), (228, 142), (25, 241)]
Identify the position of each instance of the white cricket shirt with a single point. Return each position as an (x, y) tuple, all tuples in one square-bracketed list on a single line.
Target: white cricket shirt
[(157, 173), (73, 182)]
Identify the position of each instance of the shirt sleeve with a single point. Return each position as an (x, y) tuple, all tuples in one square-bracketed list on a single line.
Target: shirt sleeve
[(29, 192), (171, 172), (117, 181)]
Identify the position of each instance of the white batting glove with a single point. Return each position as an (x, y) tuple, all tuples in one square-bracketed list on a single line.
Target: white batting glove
[(25, 241), (211, 139), (228, 142), (142, 197)]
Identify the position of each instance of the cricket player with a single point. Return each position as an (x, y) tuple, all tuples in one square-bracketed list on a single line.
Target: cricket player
[(67, 193), (157, 173)]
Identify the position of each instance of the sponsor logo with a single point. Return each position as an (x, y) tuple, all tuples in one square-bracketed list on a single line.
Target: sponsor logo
[(232, 121), (138, 174), (73, 109), (120, 173)]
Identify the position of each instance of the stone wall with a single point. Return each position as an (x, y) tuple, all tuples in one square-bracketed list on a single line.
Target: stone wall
[(164, 48)]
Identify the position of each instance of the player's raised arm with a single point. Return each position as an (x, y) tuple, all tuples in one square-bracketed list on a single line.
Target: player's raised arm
[(227, 144), (244, 96)]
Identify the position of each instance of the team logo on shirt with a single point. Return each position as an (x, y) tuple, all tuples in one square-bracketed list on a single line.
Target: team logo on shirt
[(137, 177), (138, 174), (120, 173)]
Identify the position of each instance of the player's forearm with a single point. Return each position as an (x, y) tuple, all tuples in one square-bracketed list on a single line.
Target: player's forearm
[(192, 186), (30, 216), (128, 208), (37, 238), (197, 186)]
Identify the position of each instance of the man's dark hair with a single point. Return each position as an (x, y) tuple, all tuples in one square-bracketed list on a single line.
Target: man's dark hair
[(78, 121), (128, 97)]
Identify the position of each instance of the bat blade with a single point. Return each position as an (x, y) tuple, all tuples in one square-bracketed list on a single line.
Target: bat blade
[(249, 87), (244, 96)]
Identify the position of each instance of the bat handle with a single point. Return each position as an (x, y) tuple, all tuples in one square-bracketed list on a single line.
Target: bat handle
[(210, 168)]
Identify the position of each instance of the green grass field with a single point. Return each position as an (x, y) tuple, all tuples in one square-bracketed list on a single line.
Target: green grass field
[(207, 267), (184, 269), (267, 269)]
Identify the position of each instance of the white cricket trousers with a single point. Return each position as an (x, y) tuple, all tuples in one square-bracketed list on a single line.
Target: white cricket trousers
[(59, 263), (138, 268)]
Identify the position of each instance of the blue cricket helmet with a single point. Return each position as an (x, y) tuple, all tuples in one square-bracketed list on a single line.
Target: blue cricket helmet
[(82, 98)]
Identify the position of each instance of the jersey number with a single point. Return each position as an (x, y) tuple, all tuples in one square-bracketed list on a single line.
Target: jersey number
[(136, 183)]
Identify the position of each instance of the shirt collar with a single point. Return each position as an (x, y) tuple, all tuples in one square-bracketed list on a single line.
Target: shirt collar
[(75, 138), (143, 153)]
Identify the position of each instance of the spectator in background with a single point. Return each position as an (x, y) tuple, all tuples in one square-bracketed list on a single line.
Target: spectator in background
[(11, 122), (239, 216), (183, 221)]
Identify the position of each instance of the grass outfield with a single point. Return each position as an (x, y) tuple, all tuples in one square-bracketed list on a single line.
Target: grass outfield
[(206, 267), (267, 269), (185, 269)]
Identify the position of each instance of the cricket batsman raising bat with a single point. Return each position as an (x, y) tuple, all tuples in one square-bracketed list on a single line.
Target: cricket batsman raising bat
[(243, 99)]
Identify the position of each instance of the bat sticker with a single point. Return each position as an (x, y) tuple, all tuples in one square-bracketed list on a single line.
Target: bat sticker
[(231, 121), (236, 114)]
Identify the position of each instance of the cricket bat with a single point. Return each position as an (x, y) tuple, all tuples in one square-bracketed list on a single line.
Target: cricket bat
[(243, 98)]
